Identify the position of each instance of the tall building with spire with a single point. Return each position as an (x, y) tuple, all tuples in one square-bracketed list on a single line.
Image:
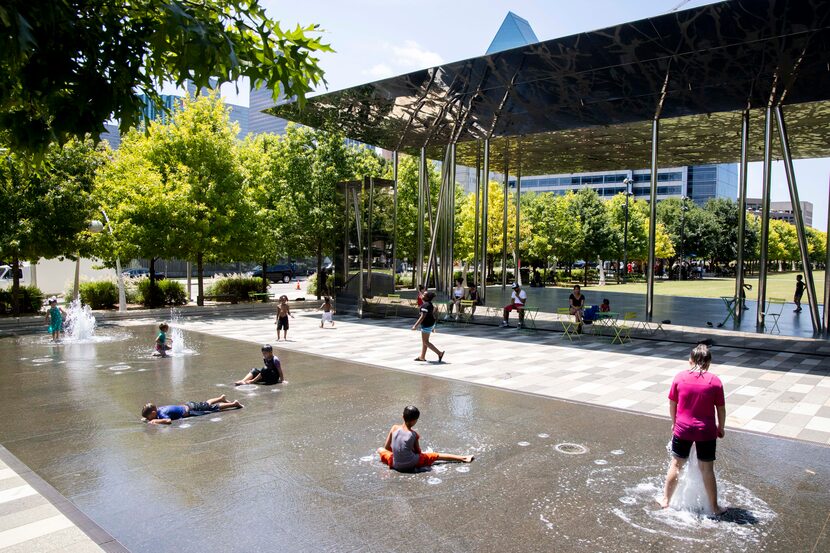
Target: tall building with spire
[(515, 31)]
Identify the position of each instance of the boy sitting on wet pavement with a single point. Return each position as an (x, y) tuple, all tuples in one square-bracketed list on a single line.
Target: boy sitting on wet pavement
[(270, 373), (402, 450), (166, 414)]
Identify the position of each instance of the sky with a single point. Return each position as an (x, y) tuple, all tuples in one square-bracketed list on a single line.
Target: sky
[(374, 39)]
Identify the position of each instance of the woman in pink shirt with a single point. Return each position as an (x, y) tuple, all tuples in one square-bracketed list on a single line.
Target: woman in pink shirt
[(695, 398)]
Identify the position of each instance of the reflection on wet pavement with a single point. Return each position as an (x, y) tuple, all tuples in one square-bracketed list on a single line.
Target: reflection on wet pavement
[(296, 470)]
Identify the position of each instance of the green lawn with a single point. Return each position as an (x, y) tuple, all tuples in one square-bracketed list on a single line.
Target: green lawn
[(779, 285)]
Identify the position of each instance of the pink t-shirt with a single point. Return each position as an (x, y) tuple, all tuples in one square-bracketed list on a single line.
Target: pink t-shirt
[(697, 394)]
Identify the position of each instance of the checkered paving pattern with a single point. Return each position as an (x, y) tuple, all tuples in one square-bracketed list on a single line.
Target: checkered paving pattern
[(29, 522), (780, 393)]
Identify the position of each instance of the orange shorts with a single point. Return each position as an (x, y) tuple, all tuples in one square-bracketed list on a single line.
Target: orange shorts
[(424, 459)]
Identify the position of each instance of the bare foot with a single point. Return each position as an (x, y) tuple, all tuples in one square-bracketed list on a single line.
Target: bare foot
[(664, 502), (719, 511), (236, 404), (468, 459), (239, 383), (222, 398)]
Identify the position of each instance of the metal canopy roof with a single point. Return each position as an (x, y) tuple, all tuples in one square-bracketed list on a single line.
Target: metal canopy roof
[(586, 102)]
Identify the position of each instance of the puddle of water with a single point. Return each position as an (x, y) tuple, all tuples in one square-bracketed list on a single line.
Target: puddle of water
[(433, 481), (523, 444), (543, 435)]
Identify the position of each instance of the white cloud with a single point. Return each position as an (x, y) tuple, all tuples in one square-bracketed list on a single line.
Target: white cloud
[(379, 71), (412, 56)]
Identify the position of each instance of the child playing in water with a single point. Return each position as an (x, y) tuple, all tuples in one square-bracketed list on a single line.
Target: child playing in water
[(166, 414), (402, 450), (695, 398), (328, 311), (283, 312), (54, 316), (162, 347), (270, 373)]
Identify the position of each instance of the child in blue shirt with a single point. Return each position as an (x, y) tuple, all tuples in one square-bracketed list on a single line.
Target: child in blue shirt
[(54, 316), (162, 345), (166, 414)]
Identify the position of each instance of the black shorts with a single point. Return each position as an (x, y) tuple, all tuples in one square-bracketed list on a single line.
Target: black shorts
[(705, 450), (282, 323), (268, 377), (197, 408)]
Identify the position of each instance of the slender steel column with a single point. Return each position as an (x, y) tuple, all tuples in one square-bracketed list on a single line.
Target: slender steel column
[(484, 223), (369, 256), (346, 200), (435, 265), (476, 273), (742, 180), (504, 220), (394, 217), (434, 242), (419, 227), (518, 219), (652, 221), (451, 220), (826, 316), (765, 200), (799, 220)]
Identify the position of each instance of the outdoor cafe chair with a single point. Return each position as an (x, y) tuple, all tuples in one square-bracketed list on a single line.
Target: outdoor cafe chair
[(568, 322), (465, 310), (529, 318), (622, 330), (775, 306)]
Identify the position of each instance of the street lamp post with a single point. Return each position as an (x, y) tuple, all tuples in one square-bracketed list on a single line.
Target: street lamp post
[(627, 182), (683, 209)]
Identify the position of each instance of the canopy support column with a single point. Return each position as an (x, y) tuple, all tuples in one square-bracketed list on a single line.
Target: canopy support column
[(394, 217), (419, 225), (652, 220), (742, 181), (485, 177), (799, 220), (765, 200), (504, 221), (518, 220), (476, 273), (826, 315)]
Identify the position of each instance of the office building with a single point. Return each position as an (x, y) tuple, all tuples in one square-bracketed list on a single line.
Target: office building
[(782, 210)]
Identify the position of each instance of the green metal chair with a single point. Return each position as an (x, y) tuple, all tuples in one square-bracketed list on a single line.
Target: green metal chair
[(775, 306), (622, 330), (568, 322)]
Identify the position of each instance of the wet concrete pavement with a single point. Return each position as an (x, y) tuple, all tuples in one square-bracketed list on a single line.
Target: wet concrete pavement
[(295, 470)]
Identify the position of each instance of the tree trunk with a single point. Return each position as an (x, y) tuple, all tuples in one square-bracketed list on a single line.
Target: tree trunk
[(16, 285), (321, 278), (152, 290), (265, 275), (601, 269), (200, 273)]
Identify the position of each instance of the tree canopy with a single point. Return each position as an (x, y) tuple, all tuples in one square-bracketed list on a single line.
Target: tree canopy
[(70, 65)]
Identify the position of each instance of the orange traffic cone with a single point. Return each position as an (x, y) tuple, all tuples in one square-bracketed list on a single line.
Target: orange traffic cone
[(298, 284)]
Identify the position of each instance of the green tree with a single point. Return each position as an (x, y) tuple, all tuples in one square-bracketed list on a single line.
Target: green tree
[(637, 228), (70, 65), (407, 243), (179, 191), (817, 245), (44, 211), (587, 213)]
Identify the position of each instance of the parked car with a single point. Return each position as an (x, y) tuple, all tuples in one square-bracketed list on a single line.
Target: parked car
[(276, 273), (141, 272)]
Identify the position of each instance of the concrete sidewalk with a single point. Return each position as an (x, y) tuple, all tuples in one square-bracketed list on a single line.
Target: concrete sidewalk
[(779, 393)]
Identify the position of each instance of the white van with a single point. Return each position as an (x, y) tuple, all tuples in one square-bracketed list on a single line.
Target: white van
[(7, 276)]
